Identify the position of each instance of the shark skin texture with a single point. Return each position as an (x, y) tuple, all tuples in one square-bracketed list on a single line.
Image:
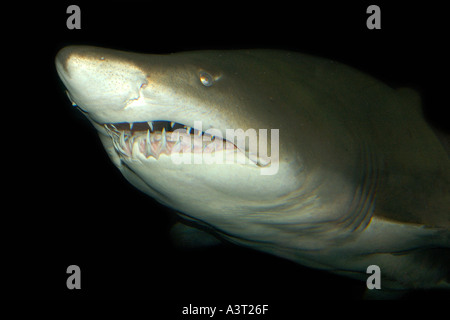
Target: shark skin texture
[(355, 176)]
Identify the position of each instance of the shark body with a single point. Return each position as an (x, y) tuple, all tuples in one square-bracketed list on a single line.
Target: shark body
[(359, 178)]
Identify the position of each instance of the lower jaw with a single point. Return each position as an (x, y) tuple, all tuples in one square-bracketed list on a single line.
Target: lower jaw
[(180, 154)]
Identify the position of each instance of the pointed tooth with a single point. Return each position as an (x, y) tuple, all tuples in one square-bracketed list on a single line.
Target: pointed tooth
[(148, 145), (130, 144), (117, 131), (115, 143), (135, 147), (188, 130), (131, 125), (150, 124), (122, 138), (172, 124), (107, 130), (118, 147)]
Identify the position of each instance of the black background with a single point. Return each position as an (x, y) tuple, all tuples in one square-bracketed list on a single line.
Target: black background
[(65, 203)]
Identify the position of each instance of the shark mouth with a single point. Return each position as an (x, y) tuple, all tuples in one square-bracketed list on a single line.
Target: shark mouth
[(155, 138)]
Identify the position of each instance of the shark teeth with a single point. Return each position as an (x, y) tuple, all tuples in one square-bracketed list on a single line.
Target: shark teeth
[(154, 138)]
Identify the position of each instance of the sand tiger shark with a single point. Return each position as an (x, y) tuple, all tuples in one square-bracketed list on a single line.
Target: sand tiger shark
[(359, 178)]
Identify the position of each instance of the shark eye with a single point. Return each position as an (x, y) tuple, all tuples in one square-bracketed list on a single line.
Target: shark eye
[(206, 79)]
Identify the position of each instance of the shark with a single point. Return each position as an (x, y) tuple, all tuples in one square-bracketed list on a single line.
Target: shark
[(333, 169)]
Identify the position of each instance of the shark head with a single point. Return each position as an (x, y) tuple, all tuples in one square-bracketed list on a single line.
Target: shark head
[(196, 131)]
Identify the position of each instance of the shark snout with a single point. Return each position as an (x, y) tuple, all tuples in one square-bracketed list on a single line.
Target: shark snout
[(99, 80), (61, 58)]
